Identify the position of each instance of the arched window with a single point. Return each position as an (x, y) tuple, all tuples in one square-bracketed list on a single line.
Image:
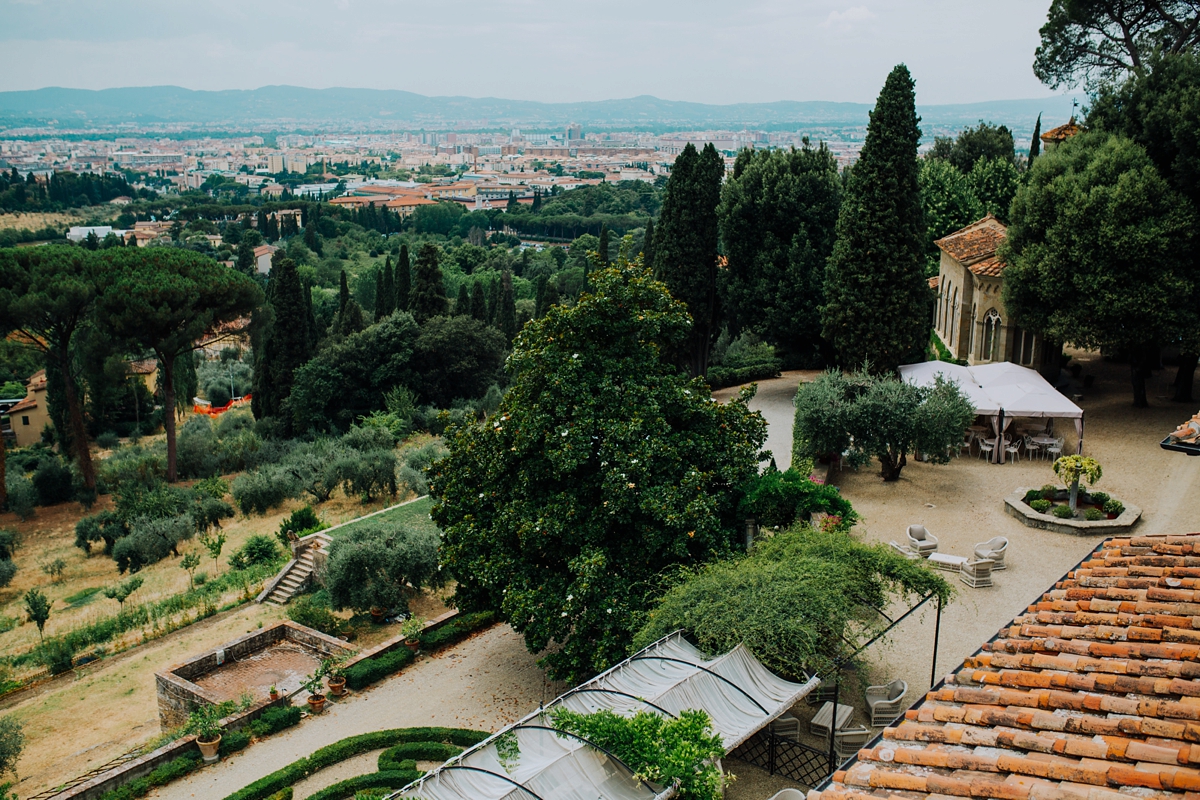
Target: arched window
[(991, 336), (971, 343), (940, 309), (953, 315)]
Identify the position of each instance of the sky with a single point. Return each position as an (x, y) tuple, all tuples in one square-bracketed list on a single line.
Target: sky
[(959, 51)]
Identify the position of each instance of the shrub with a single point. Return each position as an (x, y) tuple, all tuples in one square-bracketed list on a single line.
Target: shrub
[(369, 474), (234, 422), (9, 539), (369, 670), (1114, 506), (365, 438), (151, 540), (258, 549), (1031, 495), (108, 440), (135, 465), (52, 482), (1093, 514), (233, 741), (1048, 491), (301, 522), (456, 630), (214, 487), (720, 377), (373, 564), (405, 754), (259, 492), (777, 499), (1099, 498), (1040, 505), (57, 655), (315, 611), (8, 570), (22, 497), (278, 718), (1063, 512), (207, 512)]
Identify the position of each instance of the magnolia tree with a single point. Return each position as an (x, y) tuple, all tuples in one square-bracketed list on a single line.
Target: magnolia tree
[(1070, 469), (865, 415)]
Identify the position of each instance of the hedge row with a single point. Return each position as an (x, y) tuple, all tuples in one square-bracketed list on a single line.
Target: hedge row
[(370, 670), (403, 755), (161, 776), (348, 748), (341, 790), (720, 377)]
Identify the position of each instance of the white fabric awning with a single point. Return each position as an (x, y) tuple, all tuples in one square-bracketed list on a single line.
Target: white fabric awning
[(739, 694), (924, 374), (1019, 391)]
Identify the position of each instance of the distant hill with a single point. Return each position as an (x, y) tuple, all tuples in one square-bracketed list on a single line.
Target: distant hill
[(297, 106)]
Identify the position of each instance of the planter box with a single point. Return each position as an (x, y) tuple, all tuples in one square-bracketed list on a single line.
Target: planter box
[(1015, 505)]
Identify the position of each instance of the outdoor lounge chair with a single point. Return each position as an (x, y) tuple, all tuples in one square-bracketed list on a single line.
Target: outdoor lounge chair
[(788, 794), (910, 554), (922, 540), (886, 702), (786, 726), (977, 574), (847, 743), (994, 550)]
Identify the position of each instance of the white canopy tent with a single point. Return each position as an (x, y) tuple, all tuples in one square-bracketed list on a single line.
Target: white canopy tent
[(1000, 392), (739, 694)]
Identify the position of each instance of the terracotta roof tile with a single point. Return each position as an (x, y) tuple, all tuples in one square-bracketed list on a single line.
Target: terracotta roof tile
[(1061, 133), (975, 242), (1092, 694)]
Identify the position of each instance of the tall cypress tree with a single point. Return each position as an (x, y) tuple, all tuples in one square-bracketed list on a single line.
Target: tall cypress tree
[(388, 302), (877, 305), (1035, 145), (403, 279), (245, 260), (462, 306), (507, 315), (685, 245), (648, 245), (493, 302), (429, 288), (603, 248), (478, 303), (313, 334), (539, 307), (380, 303), (286, 345), (343, 294)]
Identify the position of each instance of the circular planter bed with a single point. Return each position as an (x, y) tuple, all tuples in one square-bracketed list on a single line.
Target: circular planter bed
[(1015, 505)]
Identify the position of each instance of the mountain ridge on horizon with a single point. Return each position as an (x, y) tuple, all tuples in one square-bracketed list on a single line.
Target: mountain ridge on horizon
[(277, 103)]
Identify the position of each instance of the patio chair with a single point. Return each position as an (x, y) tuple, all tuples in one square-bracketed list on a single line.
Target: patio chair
[(908, 553), (994, 550), (786, 726), (886, 701), (788, 794), (965, 444), (1054, 451), (977, 574), (922, 540), (847, 743), (1032, 448), (1012, 449), (985, 449), (822, 694)]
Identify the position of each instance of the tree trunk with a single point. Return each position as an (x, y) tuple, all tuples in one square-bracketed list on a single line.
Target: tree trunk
[(78, 431), (3, 472), (1074, 494), (168, 367), (890, 466), (1185, 377), (1139, 370)]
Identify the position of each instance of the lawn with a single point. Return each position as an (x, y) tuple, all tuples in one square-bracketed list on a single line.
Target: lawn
[(414, 514)]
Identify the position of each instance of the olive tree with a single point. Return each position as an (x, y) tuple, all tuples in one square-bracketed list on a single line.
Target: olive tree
[(373, 565)]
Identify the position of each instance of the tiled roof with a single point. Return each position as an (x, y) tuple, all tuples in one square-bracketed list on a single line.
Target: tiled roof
[(1093, 692), (990, 267), (974, 242), (27, 403), (1061, 133), (933, 282)]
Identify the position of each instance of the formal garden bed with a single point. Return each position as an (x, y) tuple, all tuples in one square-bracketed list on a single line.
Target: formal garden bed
[(1049, 508)]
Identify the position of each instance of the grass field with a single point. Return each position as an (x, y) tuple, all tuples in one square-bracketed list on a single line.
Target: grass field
[(414, 514)]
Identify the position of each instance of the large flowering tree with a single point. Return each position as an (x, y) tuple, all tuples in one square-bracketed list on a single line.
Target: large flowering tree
[(603, 467)]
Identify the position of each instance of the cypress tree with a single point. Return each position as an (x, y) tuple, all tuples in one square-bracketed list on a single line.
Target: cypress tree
[(551, 295), (286, 345), (648, 245), (262, 224), (352, 320), (311, 240), (478, 303), (343, 294), (1035, 146), (603, 248), (877, 306), (537, 200), (245, 260), (539, 307), (428, 287), (462, 306), (313, 333), (507, 315), (403, 279), (493, 302), (380, 304), (388, 301), (685, 246)]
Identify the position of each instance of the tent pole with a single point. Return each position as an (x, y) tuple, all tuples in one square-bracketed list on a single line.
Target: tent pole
[(937, 629), (1079, 449), (998, 453)]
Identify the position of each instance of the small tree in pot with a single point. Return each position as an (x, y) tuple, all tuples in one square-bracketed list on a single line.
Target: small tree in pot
[(375, 566), (332, 667), (312, 684), (205, 723), (412, 629)]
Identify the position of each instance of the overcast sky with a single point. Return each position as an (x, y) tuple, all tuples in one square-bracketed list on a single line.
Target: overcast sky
[(960, 51)]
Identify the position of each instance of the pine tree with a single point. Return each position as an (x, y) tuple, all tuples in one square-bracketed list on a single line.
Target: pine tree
[(286, 345), (602, 250), (1035, 145), (648, 245), (462, 306), (386, 303), (478, 303), (245, 260), (685, 246), (877, 306), (403, 279), (507, 314), (429, 288), (513, 205)]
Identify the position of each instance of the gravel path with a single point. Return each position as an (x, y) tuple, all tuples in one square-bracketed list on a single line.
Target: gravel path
[(483, 683)]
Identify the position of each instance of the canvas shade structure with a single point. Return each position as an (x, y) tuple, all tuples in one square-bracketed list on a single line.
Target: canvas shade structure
[(1001, 392), (739, 694)]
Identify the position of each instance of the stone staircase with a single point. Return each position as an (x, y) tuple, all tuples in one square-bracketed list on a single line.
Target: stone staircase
[(297, 573)]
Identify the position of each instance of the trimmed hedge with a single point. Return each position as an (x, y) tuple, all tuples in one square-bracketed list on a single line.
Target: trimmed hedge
[(348, 748), (162, 775), (233, 741), (400, 756), (372, 780), (720, 377), (369, 670), (273, 720)]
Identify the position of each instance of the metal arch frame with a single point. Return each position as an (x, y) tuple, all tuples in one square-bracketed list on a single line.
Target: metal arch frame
[(590, 744), (601, 690), (523, 788), (703, 669)]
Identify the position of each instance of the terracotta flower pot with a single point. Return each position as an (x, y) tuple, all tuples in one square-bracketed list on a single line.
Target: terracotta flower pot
[(337, 686), (209, 750), (377, 615), (1112, 516), (316, 702), (413, 644), (274, 695)]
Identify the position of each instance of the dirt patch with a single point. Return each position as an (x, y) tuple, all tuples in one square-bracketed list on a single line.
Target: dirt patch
[(34, 220)]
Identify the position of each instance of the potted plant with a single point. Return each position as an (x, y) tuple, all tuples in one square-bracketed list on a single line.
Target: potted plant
[(377, 615), (1114, 508), (412, 629), (205, 724), (274, 694), (334, 677), (312, 685), (1099, 499)]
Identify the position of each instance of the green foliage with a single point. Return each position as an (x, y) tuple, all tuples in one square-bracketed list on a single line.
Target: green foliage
[(1040, 505), (151, 540), (371, 565), (720, 377), (285, 344), (301, 522), (37, 608), (1114, 506), (22, 497), (777, 217), (457, 357), (878, 304), (370, 670), (233, 741), (52, 482), (456, 630), (994, 182), (1093, 514), (262, 490), (777, 499), (403, 755), (121, 591), (10, 540), (258, 549), (1063, 512), (1099, 498), (12, 742), (1093, 219), (602, 467), (883, 417), (681, 752), (162, 775), (316, 611), (984, 141), (276, 719), (57, 655), (685, 246), (8, 570), (428, 295)]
